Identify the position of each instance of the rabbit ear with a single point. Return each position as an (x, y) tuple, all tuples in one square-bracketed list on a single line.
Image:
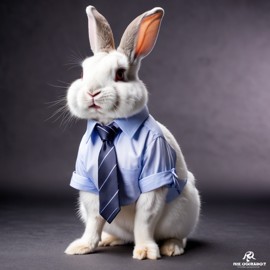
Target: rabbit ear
[(100, 33), (140, 36)]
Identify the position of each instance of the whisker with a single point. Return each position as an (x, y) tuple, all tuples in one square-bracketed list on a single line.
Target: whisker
[(75, 58), (64, 83), (68, 120), (71, 66), (57, 86), (55, 102), (61, 100), (60, 112)]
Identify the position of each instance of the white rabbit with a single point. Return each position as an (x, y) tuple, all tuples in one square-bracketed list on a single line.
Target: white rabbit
[(108, 90)]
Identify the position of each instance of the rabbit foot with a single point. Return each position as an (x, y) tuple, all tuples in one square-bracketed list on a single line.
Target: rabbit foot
[(79, 247), (172, 247), (146, 251), (110, 240)]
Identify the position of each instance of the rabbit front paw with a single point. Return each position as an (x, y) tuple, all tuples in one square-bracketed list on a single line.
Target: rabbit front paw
[(146, 251), (79, 247)]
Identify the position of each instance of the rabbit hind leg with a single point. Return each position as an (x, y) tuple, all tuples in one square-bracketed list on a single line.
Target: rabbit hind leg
[(173, 247), (111, 240)]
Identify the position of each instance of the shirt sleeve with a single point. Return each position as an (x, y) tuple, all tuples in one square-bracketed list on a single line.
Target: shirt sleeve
[(79, 179), (159, 169)]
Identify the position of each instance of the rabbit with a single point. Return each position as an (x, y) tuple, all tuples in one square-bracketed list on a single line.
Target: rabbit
[(110, 89)]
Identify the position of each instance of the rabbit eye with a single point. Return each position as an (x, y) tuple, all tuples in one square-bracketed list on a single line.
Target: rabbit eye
[(120, 75)]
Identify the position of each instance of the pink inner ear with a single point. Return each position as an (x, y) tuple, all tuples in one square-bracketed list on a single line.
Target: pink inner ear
[(147, 35)]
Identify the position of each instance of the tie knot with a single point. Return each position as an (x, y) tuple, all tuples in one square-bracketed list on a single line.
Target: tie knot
[(107, 133)]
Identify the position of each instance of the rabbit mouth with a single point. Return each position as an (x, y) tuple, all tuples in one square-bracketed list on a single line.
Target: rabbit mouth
[(94, 106)]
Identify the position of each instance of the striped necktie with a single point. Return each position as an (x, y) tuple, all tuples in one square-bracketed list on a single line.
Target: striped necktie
[(109, 205)]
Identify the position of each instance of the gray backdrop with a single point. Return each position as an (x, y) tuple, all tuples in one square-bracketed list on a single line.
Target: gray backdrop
[(208, 78)]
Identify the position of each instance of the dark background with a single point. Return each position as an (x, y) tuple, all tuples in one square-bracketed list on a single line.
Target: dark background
[(208, 79), (209, 83)]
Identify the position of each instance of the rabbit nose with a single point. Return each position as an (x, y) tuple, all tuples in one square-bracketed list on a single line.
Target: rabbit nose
[(95, 93)]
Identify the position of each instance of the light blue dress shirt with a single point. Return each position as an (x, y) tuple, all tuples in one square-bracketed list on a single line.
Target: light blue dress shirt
[(146, 161)]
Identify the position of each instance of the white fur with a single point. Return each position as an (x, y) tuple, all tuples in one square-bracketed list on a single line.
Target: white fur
[(116, 99), (150, 220), (146, 222)]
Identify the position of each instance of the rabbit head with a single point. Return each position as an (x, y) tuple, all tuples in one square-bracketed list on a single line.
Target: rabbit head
[(109, 87)]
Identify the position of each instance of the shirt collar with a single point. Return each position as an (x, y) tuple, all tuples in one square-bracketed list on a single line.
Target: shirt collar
[(128, 125)]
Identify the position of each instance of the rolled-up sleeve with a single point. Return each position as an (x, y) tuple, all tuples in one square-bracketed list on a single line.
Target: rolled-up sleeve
[(79, 179), (82, 183), (159, 169)]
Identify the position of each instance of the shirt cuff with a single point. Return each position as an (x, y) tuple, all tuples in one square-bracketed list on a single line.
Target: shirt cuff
[(82, 183), (168, 179)]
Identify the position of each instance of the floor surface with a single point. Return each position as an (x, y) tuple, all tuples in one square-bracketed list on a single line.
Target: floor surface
[(35, 235)]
